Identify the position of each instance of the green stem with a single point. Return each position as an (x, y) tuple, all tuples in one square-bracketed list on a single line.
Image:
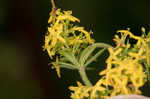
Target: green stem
[(94, 57), (84, 76), (102, 45), (82, 68)]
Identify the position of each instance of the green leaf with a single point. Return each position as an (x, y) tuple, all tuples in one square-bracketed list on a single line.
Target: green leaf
[(70, 57), (87, 51), (85, 54), (94, 57), (66, 65)]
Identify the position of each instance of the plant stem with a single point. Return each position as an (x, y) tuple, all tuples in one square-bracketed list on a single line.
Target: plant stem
[(53, 4), (102, 45), (94, 57), (53, 8), (84, 76), (82, 68)]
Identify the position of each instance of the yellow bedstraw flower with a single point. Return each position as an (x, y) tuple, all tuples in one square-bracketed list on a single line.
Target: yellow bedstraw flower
[(57, 33), (124, 73), (120, 73), (74, 40), (81, 29), (140, 41), (67, 15), (56, 30), (64, 34), (81, 91), (53, 37), (56, 67)]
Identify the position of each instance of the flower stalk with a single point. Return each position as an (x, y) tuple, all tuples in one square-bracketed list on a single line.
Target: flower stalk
[(84, 77), (53, 8)]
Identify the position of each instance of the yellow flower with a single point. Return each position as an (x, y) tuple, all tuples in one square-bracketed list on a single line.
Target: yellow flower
[(74, 40), (81, 91), (54, 36), (124, 73), (120, 42), (67, 16), (87, 34), (55, 33), (63, 34), (55, 64), (59, 31)]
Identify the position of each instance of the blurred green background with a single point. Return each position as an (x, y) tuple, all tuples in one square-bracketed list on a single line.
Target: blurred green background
[(24, 69)]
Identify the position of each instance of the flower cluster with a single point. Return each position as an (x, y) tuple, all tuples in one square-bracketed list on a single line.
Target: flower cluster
[(64, 35), (125, 70)]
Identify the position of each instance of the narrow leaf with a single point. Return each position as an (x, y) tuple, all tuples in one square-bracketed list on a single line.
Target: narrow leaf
[(94, 57), (70, 57), (66, 65), (85, 54)]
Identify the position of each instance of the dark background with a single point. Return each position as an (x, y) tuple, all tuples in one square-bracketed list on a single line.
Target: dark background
[(24, 69)]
